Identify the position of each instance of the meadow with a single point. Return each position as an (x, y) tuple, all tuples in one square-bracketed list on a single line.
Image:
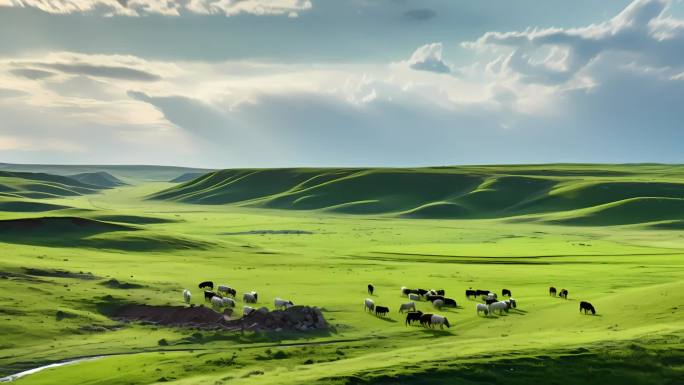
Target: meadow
[(611, 235)]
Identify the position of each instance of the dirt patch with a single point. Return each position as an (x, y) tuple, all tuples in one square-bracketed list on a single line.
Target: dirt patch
[(116, 284), (269, 232), (296, 318), (59, 273)]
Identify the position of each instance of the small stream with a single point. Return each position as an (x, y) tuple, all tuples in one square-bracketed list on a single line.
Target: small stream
[(19, 375)]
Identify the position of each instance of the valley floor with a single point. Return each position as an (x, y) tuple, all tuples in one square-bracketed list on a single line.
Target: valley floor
[(52, 297)]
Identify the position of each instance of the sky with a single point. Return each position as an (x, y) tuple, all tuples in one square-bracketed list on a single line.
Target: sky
[(285, 83)]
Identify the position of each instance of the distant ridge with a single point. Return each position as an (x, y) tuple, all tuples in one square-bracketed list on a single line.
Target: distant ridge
[(188, 176), (40, 185), (595, 194), (100, 179), (123, 172)]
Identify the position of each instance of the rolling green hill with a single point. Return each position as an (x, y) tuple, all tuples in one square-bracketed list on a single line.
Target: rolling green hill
[(590, 194), (188, 176), (100, 179), (133, 173), (39, 185)]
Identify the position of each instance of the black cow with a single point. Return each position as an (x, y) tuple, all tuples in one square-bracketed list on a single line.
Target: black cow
[(586, 306), (232, 292), (563, 293), (425, 319), (370, 289), (432, 298), (481, 292), (208, 284), (441, 292), (421, 291), (449, 302), (471, 293), (552, 291), (413, 316), (208, 295), (490, 301), (505, 293), (381, 311)]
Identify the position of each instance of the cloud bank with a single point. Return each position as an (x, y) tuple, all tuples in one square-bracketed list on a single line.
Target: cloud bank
[(608, 92), (136, 8)]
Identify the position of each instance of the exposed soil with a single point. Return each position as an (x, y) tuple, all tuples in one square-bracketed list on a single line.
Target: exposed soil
[(59, 273), (269, 232), (116, 284), (296, 318)]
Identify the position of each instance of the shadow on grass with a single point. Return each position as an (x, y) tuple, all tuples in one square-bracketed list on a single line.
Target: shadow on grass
[(632, 362)]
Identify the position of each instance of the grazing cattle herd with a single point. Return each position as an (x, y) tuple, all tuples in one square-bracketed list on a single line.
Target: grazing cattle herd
[(224, 298), (490, 305)]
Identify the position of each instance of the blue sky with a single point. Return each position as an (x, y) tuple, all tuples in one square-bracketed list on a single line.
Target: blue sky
[(275, 83)]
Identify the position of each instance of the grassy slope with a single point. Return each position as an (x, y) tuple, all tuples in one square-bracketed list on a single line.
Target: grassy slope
[(608, 194), (100, 179), (129, 173), (632, 275)]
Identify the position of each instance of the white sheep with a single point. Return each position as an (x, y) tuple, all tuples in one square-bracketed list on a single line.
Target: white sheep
[(439, 320), (480, 307), (229, 302), (187, 295), (501, 306), (368, 304), (407, 306), (282, 303)]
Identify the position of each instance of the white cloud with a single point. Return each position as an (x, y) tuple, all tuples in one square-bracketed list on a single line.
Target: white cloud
[(164, 7), (429, 58), (642, 33), (609, 90)]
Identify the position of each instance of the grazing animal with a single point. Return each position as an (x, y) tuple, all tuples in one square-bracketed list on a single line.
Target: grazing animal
[(434, 297), (480, 307), (208, 284), (505, 293), (247, 310), (223, 289), (422, 291), (381, 311), (490, 298), (438, 303), (405, 291), (282, 303), (186, 295), (208, 295), (470, 293), (228, 302), (407, 306), (370, 289), (439, 320), (500, 306), (431, 292), (552, 291), (414, 297), (563, 293), (586, 306), (450, 302), (479, 292), (368, 304), (440, 292), (249, 297), (425, 319), (511, 303), (413, 316), (216, 302)]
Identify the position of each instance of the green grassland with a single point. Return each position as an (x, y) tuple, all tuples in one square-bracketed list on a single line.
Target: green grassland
[(611, 235)]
